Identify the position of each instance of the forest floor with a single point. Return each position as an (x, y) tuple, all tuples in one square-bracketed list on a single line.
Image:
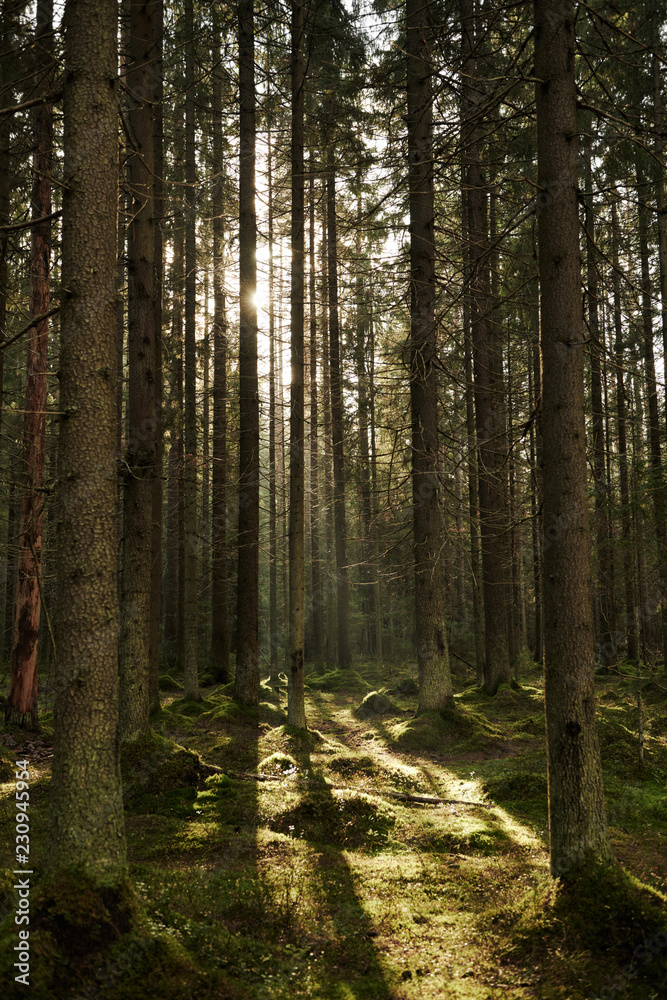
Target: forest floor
[(316, 881)]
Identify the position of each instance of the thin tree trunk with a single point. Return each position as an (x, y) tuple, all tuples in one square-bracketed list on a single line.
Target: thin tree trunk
[(219, 615), (21, 704), (621, 418), (605, 598), (340, 528), (316, 567), (577, 820), (435, 686), (328, 451), (296, 713), (158, 263), (246, 684), (658, 483), (140, 451)]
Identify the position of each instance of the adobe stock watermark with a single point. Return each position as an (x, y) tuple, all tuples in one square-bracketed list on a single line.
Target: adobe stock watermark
[(22, 885), (643, 956)]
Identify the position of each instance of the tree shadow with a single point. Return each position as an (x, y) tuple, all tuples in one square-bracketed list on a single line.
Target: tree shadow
[(356, 964)]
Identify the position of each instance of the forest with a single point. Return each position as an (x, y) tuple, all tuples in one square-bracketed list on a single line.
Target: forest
[(333, 499)]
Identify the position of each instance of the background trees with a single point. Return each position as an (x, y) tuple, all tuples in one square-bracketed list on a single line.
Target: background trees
[(426, 428)]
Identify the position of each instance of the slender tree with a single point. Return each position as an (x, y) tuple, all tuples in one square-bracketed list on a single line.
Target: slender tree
[(246, 682), (296, 714), (140, 452), (435, 687), (22, 701), (577, 820)]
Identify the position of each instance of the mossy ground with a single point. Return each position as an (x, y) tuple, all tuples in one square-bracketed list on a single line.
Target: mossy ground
[(317, 884)]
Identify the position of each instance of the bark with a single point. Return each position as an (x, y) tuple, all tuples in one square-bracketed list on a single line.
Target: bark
[(661, 206), (190, 526), (605, 636), (21, 704), (296, 713), (220, 620), (246, 684), (87, 835), (141, 449), (629, 575), (536, 470), (366, 533), (489, 411), (316, 566), (158, 265), (657, 478), (340, 526), (273, 524), (435, 686), (577, 820), (328, 452)]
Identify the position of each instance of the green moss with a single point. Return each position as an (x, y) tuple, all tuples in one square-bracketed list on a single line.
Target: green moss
[(169, 683), (153, 765), (598, 911), (516, 786), (226, 710), (349, 681), (345, 819), (352, 764), (278, 763)]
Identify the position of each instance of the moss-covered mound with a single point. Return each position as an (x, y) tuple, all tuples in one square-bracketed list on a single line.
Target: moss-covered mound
[(226, 710), (344, 819), (153, 765), (599, 912), (516, 786), (375, 703), (96, 944), (169, 683), (455, 728), (338, 680)]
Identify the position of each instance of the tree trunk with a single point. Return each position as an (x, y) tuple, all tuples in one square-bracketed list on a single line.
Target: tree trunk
[(340, 528), (21, 704), (435, 686), (219, 615), (87, 834), (658, 483), (316, 567), (488, 385), (246, 684), (621, 419), (158, 261), (296, 713), (141, 448), (605, 637), (190, 532), (577, 821), (328, 452)]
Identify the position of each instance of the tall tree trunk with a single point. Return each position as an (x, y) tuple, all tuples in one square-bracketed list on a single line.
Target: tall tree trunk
[(21, 704), (656, 8), (296, 713), (366, 533), (435, 686), (536, 467), (220, 620), (488, 384), (340, 528), (577, 821), (246, 684), (190, 527), (629, 574), (328, 450), (158, 263), (605, 639), (657, 477), (87, 832), (316, 566), (374, 487), (141, 448)]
